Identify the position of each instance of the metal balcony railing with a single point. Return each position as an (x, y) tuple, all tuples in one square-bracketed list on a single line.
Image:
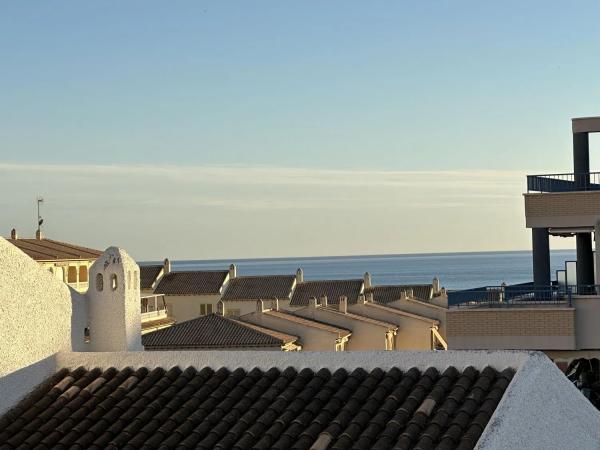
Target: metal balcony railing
[(525, 294), (564, 182)]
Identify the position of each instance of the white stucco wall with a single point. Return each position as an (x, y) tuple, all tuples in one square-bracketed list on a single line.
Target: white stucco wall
[(35, 311), (114, 313), (413, 333), (365, 335), (311, 339)]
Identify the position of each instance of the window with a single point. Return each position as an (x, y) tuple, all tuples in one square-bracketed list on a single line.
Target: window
[(72, 275), (113, 282), (232, 312), (83, 274), (99, 282), (205, 309), (86, 335)]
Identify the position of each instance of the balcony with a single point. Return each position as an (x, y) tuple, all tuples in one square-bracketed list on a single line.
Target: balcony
[(153, 307), (563, 182), (566, 200)]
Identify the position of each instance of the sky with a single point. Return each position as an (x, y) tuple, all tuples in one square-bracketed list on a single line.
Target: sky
[(199, 130)]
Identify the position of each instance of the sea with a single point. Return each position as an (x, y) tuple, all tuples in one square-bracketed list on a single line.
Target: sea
[(455, 270)]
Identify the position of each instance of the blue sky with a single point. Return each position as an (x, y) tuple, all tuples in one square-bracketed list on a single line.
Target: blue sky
[(395, 86)]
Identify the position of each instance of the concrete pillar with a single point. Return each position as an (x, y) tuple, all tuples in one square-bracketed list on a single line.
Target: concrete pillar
[(581, 159), (541, 256), (585, 259)]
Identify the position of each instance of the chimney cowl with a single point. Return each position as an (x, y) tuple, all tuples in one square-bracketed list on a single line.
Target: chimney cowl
[(323, 301), (367, 280), (13, 234), (167, 266), (232, 271), (313, 302), (299, 275), (38, 235), (369, 297), (343, 304)]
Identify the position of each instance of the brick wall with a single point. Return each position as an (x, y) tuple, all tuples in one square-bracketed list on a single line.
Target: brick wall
[(562, 204), (511, 322)]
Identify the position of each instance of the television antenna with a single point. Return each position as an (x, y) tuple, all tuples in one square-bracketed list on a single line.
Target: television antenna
[(40, 221)]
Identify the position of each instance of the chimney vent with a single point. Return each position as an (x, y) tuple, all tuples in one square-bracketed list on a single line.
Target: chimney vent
[(323, 301), (367, 279), (313, 303), (13, 234), (369, 297), (232, 271), (436, 286), (167, 266), (343, 304), (260, 307), (299, 275), (275, 304), (38, 235)]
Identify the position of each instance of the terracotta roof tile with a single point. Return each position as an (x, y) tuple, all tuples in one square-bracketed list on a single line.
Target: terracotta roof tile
[(308, 322), (333, 289), (200, 282), (390, 293), (260, 287), (213, 331), (148, 275), (261, 409), (50, 250)]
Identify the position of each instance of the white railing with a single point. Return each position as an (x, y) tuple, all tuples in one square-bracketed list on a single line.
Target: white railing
[(153, 307)]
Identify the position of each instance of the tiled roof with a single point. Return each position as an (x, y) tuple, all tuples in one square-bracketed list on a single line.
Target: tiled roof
[(361, 318), (200, 282), (333, 289), (211, 331), (260, 409), (260, 287), (309, 322), (390, 293), (283, 337), (401, 312), (50, 250), (148, 275), (158, 323)]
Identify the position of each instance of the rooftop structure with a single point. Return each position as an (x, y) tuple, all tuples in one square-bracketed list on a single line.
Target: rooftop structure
[(68, 262), (217, 332), (332, 289), (556, 312), (251, 288), (198, 282)]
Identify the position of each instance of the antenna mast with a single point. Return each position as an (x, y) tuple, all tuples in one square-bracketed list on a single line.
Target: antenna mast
[(40, 200)]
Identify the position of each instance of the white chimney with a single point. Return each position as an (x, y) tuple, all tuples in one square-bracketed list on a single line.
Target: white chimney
[(343, 304), (232, 271), (166, 266), (13, 234), (369, 297), (114, 303), (313, 302), (275, 304), (323, 301), (367, 279), (403, 295), (299, 275), (260, 307), (38, 235), (436, 286)]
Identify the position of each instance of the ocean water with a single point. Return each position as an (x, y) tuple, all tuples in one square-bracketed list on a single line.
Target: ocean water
[(455, 270)]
